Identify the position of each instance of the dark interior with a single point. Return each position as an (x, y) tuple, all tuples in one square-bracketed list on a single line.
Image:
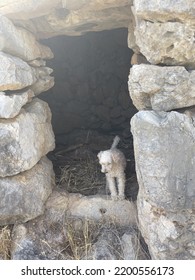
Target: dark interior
[(90, 104)]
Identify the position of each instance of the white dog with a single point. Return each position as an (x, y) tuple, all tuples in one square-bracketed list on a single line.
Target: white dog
[(113, 164)]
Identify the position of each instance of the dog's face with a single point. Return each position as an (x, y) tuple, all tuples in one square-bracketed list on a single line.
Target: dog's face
[(106, 161)]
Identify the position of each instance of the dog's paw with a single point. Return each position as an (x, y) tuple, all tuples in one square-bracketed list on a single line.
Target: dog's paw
[(114, 197), (121, 197)]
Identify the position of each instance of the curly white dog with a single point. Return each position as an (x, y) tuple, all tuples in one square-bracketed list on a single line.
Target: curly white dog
[(113, 164)]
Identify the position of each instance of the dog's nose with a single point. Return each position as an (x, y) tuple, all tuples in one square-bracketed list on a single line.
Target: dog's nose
[(104, 171)]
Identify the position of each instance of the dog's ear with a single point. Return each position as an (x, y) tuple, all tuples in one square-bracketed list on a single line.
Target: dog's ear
[(99, 155), (115, 156)]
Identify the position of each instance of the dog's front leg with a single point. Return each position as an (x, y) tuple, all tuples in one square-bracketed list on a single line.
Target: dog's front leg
[(121, 186), (112, 187)]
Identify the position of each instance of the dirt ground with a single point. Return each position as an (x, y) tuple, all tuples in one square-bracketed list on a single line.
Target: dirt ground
[(76, 164)]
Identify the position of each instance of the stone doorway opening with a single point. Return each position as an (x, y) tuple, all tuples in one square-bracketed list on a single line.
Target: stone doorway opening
[(90, 104)]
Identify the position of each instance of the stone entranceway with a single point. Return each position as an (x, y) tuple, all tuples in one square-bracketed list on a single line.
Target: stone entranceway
[(90, 104)]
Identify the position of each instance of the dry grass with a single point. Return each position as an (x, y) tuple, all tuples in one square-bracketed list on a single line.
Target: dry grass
[(81, 176), (79, 242), (80, 172), (5, 242)]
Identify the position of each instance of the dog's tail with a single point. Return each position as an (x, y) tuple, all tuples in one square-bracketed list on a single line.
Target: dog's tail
[(115, 142)]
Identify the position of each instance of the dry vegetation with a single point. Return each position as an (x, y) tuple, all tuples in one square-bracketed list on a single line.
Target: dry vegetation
[(80, 243), (77, 168), (5, 242), (81, 175)]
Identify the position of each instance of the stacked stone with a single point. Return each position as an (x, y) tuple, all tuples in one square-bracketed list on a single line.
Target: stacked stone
[(49, 18), (26, 136), (163, 129)]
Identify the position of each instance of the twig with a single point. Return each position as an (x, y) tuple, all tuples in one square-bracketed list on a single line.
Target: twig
[(69, 149)]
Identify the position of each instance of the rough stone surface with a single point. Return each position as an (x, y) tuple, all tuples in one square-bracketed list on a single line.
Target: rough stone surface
[(21, 43), (165, 10), (23, 246), (95, 208), (25, 9), (60, 234), (131, 246), (138, 59), (23, 195), (165, 166), (15, 73), (11, 104), (67, 17), (37, 63), (39, 239), (161, 88), (165, 31), (131, 39), (107, 247), (44, 239), (25, 138), (177, 47), (111, 245), (169, 235), (44, 80)]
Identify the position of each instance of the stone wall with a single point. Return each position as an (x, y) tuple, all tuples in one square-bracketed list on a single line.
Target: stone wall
[(163, 129), (91, 90), (49, 18), (161, 85), (26, 175)]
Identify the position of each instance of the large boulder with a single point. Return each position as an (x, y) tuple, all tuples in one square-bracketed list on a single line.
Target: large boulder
[(165, 165), (68, 230), (165, 10), (161, 88), (23, 196), (15, 73), (25, 138), (97, 208), (38, 240), (165, 31), (44, 81), (20, 42), (11, 104)]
